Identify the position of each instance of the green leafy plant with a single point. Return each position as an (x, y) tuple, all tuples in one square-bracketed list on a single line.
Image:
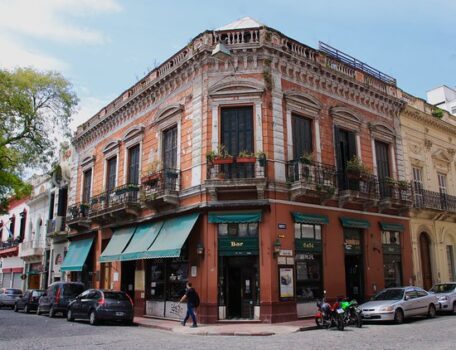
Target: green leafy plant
[(390, 181), (437, 113), (307, 158), (246, 154), (403, 184), (355, 166)]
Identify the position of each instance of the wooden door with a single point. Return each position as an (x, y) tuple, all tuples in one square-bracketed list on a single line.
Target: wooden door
[(425, 260)]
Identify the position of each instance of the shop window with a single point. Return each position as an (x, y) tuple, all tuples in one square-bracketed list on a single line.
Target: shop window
[(390, 237), (392, 263), (168, 279), (157, 281), (238, 229), (307, 231)]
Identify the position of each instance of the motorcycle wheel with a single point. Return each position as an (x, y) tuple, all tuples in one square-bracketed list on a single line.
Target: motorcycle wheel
[(319, 322), (359, 321), (340, 323)]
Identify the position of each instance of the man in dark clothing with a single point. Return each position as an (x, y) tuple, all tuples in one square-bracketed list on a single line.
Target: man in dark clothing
[(192, 302)]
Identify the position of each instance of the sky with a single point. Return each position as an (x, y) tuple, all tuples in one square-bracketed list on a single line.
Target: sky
[(105, 46)]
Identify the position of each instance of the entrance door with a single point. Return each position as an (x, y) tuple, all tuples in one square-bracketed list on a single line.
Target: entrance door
[(354, 264), (34, 281), (128, 278), (425, 260), (241, 289)]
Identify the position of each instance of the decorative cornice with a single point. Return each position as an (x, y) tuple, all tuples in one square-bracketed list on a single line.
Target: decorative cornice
[(428, 119)]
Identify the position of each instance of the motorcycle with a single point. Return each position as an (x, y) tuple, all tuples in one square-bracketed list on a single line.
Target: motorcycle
[(329, 315), (352, 313)]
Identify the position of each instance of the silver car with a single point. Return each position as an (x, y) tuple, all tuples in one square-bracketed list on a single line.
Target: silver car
[(396, 304), (8, 296), (446, 294)]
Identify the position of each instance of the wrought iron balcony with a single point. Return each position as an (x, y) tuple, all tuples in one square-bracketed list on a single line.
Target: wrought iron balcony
[(359, 189), (118, 204), (161, 188), (424, 199), (56, 225), (9, 247), (396, 196), (311, 180), (31, 249), (231, 175), (78, 216)]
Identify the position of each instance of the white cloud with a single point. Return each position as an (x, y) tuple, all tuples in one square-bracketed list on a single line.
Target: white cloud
[(88, 106), (14, 54), (49, 19)]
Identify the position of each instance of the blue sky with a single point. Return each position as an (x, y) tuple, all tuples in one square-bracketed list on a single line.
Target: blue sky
[(105, 46)]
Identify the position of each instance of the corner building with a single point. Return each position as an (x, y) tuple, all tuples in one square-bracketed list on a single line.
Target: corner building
[(157, 201)]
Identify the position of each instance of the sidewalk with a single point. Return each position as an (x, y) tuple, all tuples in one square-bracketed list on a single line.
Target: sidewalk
[(228, 329)]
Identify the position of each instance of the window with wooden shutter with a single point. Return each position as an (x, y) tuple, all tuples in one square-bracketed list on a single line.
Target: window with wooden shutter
[(302, 136), (87, 183), (133, 165), (170, 148), (111, 174)]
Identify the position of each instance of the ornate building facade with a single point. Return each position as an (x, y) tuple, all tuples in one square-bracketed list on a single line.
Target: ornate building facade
[(261, 169)]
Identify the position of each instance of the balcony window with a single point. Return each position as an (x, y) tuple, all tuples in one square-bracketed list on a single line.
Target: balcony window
[(111, 174), (133, 165), (302, 136), (87, 183)]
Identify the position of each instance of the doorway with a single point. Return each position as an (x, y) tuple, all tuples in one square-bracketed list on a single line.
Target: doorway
[(128, 278), (240, 291), (34, 281), (426, 269), (354, 271)]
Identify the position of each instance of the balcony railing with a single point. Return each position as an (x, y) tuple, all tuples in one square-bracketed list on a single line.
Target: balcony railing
[(425, 199), (161, 187), (11, 243), (56, 224), (113, 200), (236, 168)]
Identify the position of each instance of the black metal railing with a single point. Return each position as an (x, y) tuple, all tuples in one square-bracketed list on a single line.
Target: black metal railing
[(312, 173), (77, 211), (57, 224), (159, 183), (395, 191), (119, 196), (433, 200), (10, 243), (237, 168)]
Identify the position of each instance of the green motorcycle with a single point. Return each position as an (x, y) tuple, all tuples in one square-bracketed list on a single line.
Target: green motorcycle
[(352, 313)]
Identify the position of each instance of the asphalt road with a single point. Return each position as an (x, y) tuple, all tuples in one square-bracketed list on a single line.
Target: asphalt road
[(21, 331)]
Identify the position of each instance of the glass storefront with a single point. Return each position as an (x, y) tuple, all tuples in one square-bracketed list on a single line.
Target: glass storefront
[(391, 245), (309, 262)]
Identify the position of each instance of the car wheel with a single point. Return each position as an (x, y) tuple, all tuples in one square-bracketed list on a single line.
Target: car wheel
[(454, 308), (398, 316), (69, 316), (26, 309), (15, 308), (431, 311), (52, 312), (93, 318)]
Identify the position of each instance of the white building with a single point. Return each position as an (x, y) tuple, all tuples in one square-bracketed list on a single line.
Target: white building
[(443, 97)]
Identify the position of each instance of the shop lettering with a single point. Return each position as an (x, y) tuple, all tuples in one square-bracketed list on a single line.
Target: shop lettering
[(352, 241), (308, 245), (236, 244)]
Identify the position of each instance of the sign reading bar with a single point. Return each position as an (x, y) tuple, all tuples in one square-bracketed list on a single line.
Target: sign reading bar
[(232, 246)]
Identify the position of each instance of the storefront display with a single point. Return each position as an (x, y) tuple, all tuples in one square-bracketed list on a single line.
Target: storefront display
[(392, 258)]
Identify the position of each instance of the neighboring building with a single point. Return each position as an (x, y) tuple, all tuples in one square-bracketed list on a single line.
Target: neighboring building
[(429, 153), (32, 248), (152, 202), (443, 97), (12, 232)]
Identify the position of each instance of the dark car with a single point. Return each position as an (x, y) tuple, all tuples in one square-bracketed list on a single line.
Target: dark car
[(29, 301), (57, 297), (8, 296), (101, 305)]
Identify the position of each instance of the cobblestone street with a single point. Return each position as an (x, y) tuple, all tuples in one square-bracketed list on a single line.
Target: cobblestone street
[(21, 331)]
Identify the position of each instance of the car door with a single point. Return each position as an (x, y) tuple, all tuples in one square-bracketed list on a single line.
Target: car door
[(76, 306), (87, 301), (410, 303), (422, 301), (23, 300), (45, 299)]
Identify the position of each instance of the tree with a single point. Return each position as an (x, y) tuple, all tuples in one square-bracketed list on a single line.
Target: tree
[(35, 112)]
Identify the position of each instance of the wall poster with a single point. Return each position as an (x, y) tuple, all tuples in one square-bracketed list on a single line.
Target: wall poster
[(286, 282)]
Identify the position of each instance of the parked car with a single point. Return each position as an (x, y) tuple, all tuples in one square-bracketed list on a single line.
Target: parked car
[(101, 305), (57, 297), (446, 294), (396, 304), (8, 296), (29, 301)]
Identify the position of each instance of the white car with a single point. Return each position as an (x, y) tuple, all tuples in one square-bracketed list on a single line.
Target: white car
[(396, 304), (446, 294)]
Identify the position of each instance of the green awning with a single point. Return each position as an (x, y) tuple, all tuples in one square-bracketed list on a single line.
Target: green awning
[(172, 237), (390, 226), (143, 238), (354, 223), (310, 218), (117, 244), (77, 255), (232, 218)]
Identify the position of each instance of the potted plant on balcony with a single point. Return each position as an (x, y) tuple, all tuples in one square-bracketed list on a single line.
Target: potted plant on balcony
[(355, 169), (403, 184), (246, 157), (152, 172), (85, 206), (133, 187), (390, 182), (261, 156), (220, 175), (222, 156), (307, 158)]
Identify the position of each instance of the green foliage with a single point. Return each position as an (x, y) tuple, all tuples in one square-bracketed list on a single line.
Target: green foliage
[(35, 110), (437, 113)]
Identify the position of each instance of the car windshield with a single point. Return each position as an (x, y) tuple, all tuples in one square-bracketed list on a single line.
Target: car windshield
[(13, 291), (390, 294), (443, 288), (37, 293), (115, 296), (72, 290)]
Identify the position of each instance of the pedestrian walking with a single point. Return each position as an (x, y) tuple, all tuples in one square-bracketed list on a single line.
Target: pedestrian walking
[(193, 301)]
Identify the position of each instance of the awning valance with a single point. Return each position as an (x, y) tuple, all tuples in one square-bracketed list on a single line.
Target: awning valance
[(354, 223), (310, 218), (172, 237), (391, 226), (77, 255), (232, 218), (143, 238), (117, 244)]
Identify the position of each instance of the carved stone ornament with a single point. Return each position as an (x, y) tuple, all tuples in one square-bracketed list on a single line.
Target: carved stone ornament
[(427, 144), (415, 148)]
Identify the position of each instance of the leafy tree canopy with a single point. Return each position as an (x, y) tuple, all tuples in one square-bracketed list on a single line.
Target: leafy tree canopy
[(35, 112)]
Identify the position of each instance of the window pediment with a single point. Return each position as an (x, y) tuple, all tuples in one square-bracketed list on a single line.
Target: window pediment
[(345, 118), (442, 156), (111, 146), (167, 113), (303, 102), (382, 132), (235, 87), (133, 132), (88, 161)]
